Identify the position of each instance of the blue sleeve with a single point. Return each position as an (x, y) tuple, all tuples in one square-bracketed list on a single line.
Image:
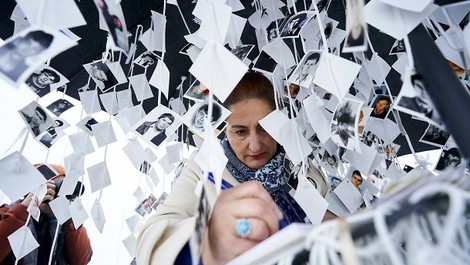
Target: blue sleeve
[(184, 257)]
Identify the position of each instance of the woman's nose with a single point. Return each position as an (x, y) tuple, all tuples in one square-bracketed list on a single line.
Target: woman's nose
[(255, 143)]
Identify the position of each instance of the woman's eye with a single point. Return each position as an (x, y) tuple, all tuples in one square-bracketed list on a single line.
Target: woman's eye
[(241, 132)]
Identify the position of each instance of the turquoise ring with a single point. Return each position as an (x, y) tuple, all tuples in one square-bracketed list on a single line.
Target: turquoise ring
[(243, 228)]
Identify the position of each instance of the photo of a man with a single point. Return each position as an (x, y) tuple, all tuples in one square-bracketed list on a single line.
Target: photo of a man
[(356, 27), (305, 71), (421, 104), (15, 52), (40, 83), (381, 107), (435, 136), (59, 106), (36, 118), (102, 75)]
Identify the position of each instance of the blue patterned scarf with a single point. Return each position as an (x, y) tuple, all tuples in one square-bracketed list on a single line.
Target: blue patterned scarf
[(272, 176)]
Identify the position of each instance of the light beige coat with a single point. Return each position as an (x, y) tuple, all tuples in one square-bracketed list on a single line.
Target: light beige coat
[(169, 229)]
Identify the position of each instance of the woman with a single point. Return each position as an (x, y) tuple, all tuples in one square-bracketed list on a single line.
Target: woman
[(254, 168)]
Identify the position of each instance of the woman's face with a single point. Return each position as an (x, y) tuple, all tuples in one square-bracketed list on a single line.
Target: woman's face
[(250, 142)]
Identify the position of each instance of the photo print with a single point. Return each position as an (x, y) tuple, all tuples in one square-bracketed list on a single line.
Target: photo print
[(380, 106), (146, 206), (413, 99), (356, 27), (344, 124), (45, 80), (305, 71), (111, 13), (86, 123), (364, 115), (101, 75), (265, 63), (321, 5), (334, 181), (397, 47), (449, 158), (53, 133), (185, 48), (272, 31), (27, 50), (147, 59), (242, 51), (201, 214), (161, 199), (292, 25), (435, 136), (59, 106), (197, 92), (195, 116), (157, 125), (36, 117), (329, 162)]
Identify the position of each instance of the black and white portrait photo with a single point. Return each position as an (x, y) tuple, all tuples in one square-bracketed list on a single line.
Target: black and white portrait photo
[(147, 59), (304, 73), (435, 136), (102, 75), (343, 126), (15, 53), (59, 106), (242, 51), (86, 123), (50, 136), (36, 118), (41, 81), (292, 25), (157, 125), (195, 116), (115, 22), (449, 158), (329, 162), (27, 50), (356, 28), (421, 104)]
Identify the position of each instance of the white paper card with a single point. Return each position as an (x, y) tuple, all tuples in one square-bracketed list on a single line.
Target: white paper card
[(104, 133), (97, 214), (99, 176), (305, 194), (22, 242), (18, 176), (60, 208), (78, 213)]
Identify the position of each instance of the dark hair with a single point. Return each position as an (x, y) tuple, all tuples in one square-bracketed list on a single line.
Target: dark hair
[(313, 56), (59, 122), (387, 98), (252, 86), (43, 38), (56, 77), (357, 172), (42, 112), (216, 111), (167, 115), (150, 54), (328, 29)]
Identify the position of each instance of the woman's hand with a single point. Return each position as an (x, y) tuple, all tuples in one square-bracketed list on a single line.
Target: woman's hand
[(248, 200), (50, 194)]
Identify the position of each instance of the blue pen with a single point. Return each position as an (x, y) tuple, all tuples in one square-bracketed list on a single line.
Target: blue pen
[(225, 185)]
